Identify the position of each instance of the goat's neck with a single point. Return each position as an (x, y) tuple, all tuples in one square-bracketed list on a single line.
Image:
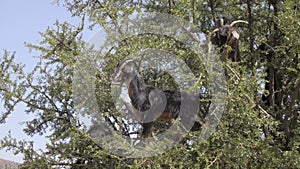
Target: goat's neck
[(134, 87)]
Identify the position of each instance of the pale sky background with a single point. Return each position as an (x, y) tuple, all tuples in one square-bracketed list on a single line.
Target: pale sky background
[(21, 21)]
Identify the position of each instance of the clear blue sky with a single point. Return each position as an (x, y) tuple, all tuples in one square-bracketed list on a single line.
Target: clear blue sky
[(20, 22)]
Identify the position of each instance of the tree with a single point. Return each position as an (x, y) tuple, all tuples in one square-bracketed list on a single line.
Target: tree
[(258, 129)]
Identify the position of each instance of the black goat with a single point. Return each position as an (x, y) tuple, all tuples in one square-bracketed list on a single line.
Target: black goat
[(226, 36), (153, 103)]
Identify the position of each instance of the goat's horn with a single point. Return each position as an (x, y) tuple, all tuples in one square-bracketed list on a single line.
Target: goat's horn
[(222, 21), (238, 21)]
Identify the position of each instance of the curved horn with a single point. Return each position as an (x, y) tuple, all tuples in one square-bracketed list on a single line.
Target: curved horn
[(124, 64), (238, 21)]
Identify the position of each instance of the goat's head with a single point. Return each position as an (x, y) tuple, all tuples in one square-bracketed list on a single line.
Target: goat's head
[(226, 36), (125, 72)]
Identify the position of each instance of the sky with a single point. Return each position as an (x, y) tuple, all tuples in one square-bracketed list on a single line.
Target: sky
[(21, 21)]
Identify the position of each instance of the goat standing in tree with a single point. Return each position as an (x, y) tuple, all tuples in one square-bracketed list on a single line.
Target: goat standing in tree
[(226, 37), (163, 105)]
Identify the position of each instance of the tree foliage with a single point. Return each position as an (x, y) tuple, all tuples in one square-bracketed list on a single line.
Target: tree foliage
[(259, 128)]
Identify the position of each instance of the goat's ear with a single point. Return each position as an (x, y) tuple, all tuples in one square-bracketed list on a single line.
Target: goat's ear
[(214, 33), (235, 34)]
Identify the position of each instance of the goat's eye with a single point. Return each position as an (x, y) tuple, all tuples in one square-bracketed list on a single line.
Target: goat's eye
[(224, 32), (128, 69)]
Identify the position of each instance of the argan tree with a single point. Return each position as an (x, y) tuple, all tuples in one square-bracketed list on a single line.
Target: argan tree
[(259, 127)]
